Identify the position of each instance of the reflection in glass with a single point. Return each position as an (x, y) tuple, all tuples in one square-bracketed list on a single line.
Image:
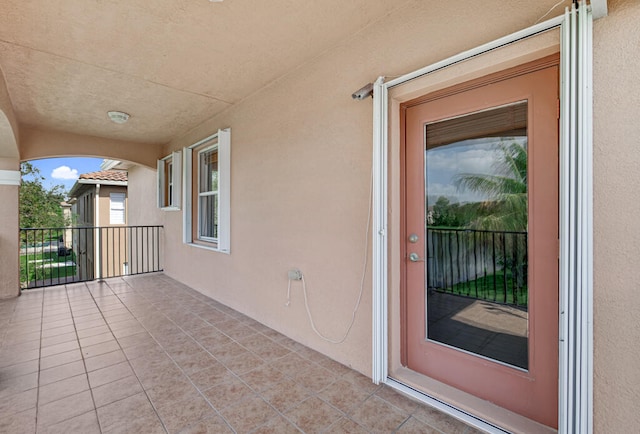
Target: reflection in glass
[(476, 186)]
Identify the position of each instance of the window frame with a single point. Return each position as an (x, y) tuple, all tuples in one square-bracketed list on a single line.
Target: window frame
[(221, 141), (169, 178), (123, 209), (200, 194)]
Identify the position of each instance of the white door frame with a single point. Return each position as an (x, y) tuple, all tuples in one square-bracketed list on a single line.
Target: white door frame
[(576, 222)]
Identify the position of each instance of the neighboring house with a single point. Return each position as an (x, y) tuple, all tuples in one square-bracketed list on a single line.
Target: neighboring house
[(99, 200), (265, 165)]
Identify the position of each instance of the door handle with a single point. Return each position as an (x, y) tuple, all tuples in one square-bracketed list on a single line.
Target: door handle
[(414, 257)]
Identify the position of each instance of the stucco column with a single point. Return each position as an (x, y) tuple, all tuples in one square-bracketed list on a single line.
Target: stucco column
[(9, 231)]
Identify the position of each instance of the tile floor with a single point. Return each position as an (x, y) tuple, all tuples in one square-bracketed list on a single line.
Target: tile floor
[(147, 354)]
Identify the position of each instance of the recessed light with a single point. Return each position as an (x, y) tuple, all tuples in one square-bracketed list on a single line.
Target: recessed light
[(118, 117)]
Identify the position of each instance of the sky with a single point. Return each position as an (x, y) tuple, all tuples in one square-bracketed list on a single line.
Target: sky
[(446, 163), (65, 171)]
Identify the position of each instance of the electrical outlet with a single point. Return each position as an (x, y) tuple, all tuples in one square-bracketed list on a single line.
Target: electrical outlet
[(295, 274)]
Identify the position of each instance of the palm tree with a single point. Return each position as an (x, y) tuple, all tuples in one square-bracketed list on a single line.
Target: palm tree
[(506, 188)]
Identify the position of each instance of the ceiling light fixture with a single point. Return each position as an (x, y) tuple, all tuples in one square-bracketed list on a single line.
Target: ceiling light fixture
[(118, 117)]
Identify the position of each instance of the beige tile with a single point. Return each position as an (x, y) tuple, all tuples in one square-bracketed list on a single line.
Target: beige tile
[(116, 390), (211, 425), (120, 325), (285, 395), (19, 369), (244, 363), (17, 339), (414, 426), (19, 423), (65, 408), (344, 395), (396, 399), (60, 359), (149, 424), (159, 376), (58, 339), (228, 393), (313, 415), (98, 322), (48, 332), (313, 377), (93, 331), (264, 347), (230, 351), (197, 363), (107, 375), (104, 360), (9, 386), (85, 423), (18, 402), (121, 414), (97, 339), (249, 414), (116, 317), (62, 389), (59, 348), (263, 378), (11, 358), (277, 425), (346, 426), (378, 416), (171, 391), (61, 372), (146, 350), (18, 348), (103, 348), (185, 413), (59, 323), (129, 331), (439, 420), (361, 381), (213, 375), (137, 339)]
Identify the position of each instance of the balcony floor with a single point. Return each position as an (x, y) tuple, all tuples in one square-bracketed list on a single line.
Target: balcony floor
[(147, 354)]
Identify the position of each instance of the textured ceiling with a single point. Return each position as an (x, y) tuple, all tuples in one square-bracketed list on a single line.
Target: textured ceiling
[(171, 64)]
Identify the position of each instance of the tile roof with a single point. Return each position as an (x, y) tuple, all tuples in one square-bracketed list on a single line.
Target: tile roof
[(106, 175)]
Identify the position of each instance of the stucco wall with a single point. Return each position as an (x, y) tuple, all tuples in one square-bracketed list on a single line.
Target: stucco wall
[(616, 211), (301, 170), (9, 242), (141, 197), (301, 155)]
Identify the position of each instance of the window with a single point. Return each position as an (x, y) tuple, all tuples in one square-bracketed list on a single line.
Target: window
[(207, 192), (169, 181), (116, 209)]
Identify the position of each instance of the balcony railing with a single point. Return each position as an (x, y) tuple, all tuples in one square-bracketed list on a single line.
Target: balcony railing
[(54, 256), (486, 265)]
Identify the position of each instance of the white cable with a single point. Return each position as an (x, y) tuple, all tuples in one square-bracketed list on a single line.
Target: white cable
[(364, 272), (550, 10)]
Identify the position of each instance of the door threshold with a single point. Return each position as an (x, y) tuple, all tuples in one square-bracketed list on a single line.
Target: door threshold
[(478, 413)]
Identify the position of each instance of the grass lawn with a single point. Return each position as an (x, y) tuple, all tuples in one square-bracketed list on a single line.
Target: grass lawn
[(491, 288), (45, 266)]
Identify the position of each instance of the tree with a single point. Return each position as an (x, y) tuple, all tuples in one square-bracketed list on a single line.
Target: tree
[(507, 188), (39, 207)]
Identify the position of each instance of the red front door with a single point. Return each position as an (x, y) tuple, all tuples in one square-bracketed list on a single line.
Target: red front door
[(481, 246)]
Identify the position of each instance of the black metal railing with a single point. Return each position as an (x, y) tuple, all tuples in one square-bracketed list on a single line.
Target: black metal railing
[(54, 256), (482, 264)]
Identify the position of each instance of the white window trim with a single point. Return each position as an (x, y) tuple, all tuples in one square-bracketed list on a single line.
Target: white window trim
[(113, 202), (223, 138), (208, 193), (576, 211), (176, 180)]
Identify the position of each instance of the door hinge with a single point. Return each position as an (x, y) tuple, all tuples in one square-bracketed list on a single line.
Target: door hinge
[(558, 111)]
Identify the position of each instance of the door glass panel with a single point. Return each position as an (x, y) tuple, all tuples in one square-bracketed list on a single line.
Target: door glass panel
[(476, 232)]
